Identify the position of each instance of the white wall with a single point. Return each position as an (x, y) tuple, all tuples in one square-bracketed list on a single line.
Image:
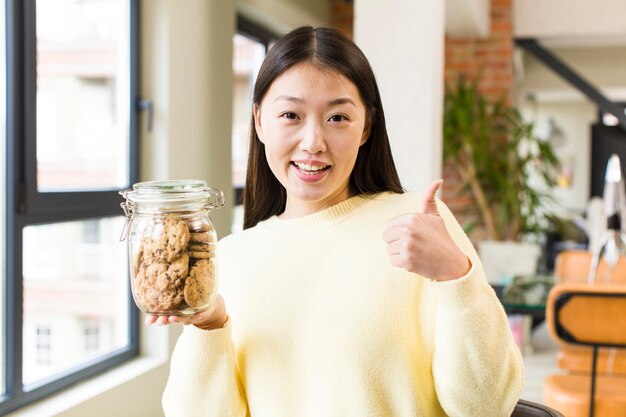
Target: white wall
[(187, 61), (406, 52), (284, 15), (569, 18), (574, 118), (467, 18)]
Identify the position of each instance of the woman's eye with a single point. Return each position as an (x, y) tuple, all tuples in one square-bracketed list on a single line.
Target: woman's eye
[(289, 115), (337, 118)]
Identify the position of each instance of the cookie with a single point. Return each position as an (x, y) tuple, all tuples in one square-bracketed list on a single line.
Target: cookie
[(178, 270), (136, 261), (202, 237), (173, 266), (156, 276), (159, 285), (202, 247), (158, 301), (167, 241), (201, 254), (177, 235), (200, 283)]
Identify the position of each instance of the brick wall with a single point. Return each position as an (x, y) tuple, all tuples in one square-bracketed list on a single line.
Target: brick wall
[(464, 57), (493, 58)]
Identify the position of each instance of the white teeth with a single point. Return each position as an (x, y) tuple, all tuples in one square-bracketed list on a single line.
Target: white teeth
[(308, 167)]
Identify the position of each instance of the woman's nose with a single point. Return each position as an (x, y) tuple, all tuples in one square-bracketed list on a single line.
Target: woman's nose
[(312, 139)]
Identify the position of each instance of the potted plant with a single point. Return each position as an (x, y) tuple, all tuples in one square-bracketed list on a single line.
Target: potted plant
[(506, 168)]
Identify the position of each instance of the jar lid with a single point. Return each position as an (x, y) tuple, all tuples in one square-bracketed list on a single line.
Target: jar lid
[(174, 192)]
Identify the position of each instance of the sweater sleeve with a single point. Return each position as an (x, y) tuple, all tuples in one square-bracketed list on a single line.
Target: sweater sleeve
[(477, 367), (203, 378)]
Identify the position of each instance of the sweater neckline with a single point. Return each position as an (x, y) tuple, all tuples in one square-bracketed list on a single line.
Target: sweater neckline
[(322, 218)]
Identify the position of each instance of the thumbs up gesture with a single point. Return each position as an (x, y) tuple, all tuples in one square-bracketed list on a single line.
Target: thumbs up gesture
[(420, 242)]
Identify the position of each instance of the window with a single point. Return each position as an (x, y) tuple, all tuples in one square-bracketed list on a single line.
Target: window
[(250, 44), (92, 338), (71, 145), (43, 346), (82, 82)]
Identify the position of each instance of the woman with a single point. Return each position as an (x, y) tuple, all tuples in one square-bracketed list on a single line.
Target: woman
[(346, 296)]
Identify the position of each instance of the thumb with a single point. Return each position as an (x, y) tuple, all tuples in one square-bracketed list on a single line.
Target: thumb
[(429, 203)]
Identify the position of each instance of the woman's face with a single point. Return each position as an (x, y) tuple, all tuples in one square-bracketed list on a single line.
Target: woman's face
[(312, 122)]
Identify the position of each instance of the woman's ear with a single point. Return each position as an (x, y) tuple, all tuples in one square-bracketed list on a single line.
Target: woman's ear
[(256, 113)]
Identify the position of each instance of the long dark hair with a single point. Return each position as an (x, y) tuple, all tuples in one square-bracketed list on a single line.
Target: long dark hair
[(374, 170)]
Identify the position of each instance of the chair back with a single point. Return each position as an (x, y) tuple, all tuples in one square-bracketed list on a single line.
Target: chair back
[(525, 408), (588, 315), (573, 266)]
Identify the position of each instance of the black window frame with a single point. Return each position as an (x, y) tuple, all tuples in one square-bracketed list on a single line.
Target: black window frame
[(249, 29), (26, 206)]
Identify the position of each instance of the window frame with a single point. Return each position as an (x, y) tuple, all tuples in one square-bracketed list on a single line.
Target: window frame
[(264, 36), (26, 206)]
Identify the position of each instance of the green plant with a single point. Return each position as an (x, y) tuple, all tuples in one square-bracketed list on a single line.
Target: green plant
[(508, 170)]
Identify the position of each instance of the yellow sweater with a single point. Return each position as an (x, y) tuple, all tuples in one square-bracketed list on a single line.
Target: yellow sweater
[(321, 324)]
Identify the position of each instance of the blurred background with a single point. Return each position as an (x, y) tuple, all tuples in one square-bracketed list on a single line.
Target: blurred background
[(100, 94)]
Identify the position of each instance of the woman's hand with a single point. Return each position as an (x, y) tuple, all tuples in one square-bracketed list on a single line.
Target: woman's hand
[(212, 318), (420, 242)]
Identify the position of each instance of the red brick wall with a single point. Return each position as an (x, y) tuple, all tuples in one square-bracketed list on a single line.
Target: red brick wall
[(464, 57)]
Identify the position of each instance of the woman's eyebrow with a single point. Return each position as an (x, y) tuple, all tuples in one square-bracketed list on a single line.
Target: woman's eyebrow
[(334, 102), (289, 98), (342, 100)]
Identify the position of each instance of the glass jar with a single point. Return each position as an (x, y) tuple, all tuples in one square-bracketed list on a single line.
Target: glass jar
[(171, 242)]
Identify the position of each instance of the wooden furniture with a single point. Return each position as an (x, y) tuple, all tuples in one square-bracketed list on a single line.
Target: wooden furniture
[(573, 267), (593, 316)]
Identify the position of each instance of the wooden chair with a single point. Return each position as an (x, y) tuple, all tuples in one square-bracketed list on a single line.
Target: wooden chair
[(573, 267), (593, 316)]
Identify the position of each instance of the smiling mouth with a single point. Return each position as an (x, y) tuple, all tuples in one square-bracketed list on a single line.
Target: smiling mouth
[(310, 169)]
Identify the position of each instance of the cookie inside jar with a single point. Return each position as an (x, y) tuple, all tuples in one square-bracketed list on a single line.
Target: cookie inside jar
[(174, 266)]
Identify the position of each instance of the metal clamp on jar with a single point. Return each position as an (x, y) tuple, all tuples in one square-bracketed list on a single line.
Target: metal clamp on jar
[(171, 242)]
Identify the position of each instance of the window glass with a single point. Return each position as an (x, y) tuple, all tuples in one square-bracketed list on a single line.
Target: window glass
[(248, 55), (92, 337), (82, 94), (75, 295), (3, 159)]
